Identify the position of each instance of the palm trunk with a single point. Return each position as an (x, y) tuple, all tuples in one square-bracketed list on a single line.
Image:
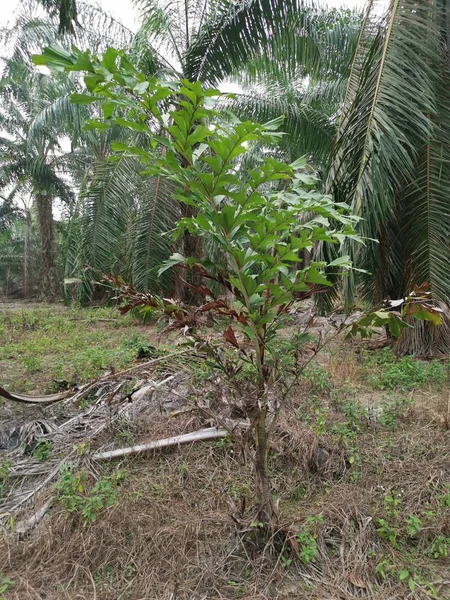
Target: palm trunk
[(48, 285), (26, 280), (192, 247)]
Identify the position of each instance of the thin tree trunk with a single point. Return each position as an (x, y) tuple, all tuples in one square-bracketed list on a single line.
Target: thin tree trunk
[(26, 283), (267, 510), (48, 284)]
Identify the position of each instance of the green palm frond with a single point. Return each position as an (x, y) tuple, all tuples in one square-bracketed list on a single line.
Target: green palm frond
[(153, 243), (65, 10), (120, 226), (291, 36), (308, 129), (425, 227), (389, 159)]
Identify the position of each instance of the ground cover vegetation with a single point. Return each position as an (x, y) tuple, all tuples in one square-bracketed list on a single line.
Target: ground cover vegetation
[(359, 474), (210, 416)]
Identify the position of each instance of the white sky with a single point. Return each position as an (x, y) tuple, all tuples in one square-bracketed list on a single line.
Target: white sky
[(124, 10)]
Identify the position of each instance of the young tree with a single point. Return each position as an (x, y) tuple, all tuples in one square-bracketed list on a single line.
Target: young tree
[(259, 222)]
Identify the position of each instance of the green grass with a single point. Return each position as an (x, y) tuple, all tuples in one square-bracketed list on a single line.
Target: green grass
[(383, 371), (39, 345)]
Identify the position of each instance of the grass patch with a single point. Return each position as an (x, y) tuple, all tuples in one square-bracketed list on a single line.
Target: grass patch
[(40, 345), (383, 371)]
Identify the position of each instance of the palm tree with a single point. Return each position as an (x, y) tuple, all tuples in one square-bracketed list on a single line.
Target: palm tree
[(46, 118), (391, 159), (31, 160)]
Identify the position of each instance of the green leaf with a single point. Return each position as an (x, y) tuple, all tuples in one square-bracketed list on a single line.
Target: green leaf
[(341, 261), (175, 259), (84, 98)]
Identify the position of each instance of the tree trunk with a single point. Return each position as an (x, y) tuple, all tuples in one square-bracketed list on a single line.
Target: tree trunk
[(267, 509), (26, 280), (48, 284)]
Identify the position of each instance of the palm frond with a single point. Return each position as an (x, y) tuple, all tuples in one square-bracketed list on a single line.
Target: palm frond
[(387, 121), (288, 35)]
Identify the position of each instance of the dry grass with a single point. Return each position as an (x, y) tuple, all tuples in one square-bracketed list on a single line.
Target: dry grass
[(174, 533), (344, 366)]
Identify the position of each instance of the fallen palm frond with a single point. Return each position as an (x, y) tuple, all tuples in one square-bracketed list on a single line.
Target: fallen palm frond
[(49, 399), (203, 435), (25, 526), (85, 390), (37, 450)]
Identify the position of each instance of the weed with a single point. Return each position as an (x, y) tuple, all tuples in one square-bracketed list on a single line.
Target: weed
[(140, 346), (321, 421), (307, 539), (391, 503), (42, 450), (35, 341), (413, 525), (225, 442), (444, 499), (298, 494), (183, 470), (355, 476), (285, 561), (346, 431), (77, 496), (394, 409), (238, 491), (385, 371), (124, 431), (319, 379), (408, 578), (32, 364), (5, 584), (386, 531), (5, 468), (440, 547), (354, 413), (388, 528), (202, 371), (87, 401), (383, 569)]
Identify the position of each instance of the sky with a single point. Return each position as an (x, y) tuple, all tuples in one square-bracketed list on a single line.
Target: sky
[(120, 9), (124, 10)]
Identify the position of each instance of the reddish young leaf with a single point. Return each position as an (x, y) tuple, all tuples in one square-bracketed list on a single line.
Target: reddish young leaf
[(212, 305), (230, 336)]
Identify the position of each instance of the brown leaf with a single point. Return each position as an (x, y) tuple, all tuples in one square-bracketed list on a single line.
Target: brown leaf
[(422, 288), (212, 305), (199, 289), (230, 336), (294, 545), (242, 319)]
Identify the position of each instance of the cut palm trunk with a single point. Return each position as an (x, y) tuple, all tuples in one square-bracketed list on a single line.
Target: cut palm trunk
[(425, 339)]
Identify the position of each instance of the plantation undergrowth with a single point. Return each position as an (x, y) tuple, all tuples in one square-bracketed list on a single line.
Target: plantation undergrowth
[(360, 470)]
